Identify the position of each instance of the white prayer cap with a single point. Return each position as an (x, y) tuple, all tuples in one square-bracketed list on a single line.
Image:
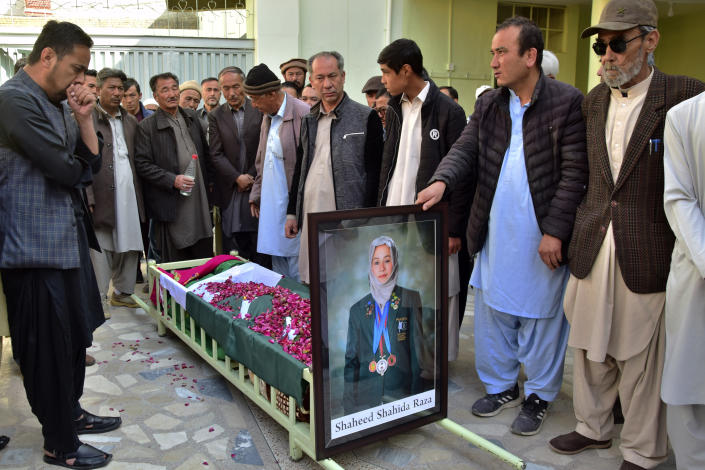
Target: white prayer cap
[(549, 64), (481, 89)]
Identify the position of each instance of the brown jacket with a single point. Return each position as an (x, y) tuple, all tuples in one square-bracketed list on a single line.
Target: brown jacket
[(101, 193), (289, 131), (634, 204)]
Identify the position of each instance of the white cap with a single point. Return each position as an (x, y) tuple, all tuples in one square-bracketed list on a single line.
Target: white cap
[(150, 101), (481, 89), (549, 64)]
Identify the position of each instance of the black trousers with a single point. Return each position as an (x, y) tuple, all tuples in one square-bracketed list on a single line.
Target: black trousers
[(246, 245), (50, 334), (465, 265)]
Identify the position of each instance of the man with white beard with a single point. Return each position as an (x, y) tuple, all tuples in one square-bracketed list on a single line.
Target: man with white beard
[(621, 246)]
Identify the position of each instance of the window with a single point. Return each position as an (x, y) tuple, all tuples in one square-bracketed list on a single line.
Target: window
[(551, 20)]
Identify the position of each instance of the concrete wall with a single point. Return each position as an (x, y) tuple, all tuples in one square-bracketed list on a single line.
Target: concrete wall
[(300, 28), (454, 34), (681, 40), (455, 37)]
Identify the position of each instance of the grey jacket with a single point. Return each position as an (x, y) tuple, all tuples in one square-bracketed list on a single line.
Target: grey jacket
[(43, 165), (356, 143)]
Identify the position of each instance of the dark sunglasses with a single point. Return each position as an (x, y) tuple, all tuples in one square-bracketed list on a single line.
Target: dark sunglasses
[(618, 45)]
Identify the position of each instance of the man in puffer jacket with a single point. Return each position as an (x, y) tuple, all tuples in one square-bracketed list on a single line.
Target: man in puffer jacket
[(525, 144)]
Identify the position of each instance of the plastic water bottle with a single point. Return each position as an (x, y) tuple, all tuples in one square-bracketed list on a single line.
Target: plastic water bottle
[(191, 173)]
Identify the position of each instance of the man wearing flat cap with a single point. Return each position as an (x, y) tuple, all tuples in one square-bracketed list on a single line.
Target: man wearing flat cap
[(372, 87), (274, 164), (621, 245), (294, 70)]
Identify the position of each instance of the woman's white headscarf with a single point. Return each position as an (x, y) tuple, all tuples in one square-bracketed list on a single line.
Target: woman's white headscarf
[(381, 292)]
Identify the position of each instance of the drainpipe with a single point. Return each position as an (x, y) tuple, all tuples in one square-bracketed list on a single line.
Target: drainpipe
[(388, 27), (450, 66), (594, 65)]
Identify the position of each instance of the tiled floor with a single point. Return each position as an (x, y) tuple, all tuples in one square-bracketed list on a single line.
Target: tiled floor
[(179, 414)]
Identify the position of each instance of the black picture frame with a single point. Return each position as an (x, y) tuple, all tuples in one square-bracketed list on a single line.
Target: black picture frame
[(339, 259)]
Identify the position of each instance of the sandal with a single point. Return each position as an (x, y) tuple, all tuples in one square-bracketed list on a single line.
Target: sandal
[(86, 457), (3, 441), (92, 424)]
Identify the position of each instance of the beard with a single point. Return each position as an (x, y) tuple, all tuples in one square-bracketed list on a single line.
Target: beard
[(625, 73)]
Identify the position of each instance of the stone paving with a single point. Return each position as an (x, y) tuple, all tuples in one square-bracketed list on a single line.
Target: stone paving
[(179, 414)]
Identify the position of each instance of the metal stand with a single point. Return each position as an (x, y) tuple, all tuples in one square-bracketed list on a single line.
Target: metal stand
[(301, 434)]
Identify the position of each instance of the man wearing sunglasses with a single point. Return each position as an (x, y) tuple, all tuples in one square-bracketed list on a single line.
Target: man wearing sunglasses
[(621, 244)]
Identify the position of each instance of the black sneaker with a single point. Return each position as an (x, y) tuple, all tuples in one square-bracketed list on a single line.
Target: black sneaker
[(531, 416), (492, 403)]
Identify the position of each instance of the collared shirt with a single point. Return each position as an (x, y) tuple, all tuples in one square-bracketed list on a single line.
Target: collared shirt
[(319, 190), (601, 309), (621, 119), (238, 116), (402, 187), (275, 196), (239, 119), (510, 272)]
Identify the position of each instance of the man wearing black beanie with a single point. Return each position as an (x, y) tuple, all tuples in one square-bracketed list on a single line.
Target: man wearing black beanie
[(275, 162)]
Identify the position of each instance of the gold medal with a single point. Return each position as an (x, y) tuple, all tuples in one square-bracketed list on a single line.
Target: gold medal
[(372, 367)]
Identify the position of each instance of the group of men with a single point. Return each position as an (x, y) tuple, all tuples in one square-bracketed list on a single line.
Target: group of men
[(560, 196), (575, 248)]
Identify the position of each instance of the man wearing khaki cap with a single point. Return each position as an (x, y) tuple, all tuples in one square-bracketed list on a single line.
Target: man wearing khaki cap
[(294, 70), (190, 94), (621, 244)]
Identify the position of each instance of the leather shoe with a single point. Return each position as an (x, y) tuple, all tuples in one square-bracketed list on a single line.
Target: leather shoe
[(92, 424), (574, 443), (123, 300), (90, 360), (630, 466), (86, 457), (3, 441)]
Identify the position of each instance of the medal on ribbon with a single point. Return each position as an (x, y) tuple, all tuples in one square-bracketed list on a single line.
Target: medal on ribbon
[(380, 340)]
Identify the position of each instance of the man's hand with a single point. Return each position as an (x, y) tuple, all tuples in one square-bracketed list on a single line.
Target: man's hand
[(183, 183), (254, 210), (550, 251), (81, 100), (244, 182), (291, 228), (431, 195), (454, 244)]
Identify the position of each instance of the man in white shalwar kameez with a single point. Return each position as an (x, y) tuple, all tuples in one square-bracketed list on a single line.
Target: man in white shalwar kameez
[(683, 386), (114, 195)]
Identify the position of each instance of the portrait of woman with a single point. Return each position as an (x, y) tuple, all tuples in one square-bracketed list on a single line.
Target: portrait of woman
[(384, 341)]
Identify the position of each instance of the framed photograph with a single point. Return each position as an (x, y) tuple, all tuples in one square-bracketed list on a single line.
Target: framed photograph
[(379, 283)]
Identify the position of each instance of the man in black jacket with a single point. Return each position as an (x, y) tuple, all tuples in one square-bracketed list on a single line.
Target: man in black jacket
[(422, 125), (525, 144), (177, 204)]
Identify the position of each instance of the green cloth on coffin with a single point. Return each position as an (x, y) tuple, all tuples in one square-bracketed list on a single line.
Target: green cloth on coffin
[(204, 321), (267, 360)]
